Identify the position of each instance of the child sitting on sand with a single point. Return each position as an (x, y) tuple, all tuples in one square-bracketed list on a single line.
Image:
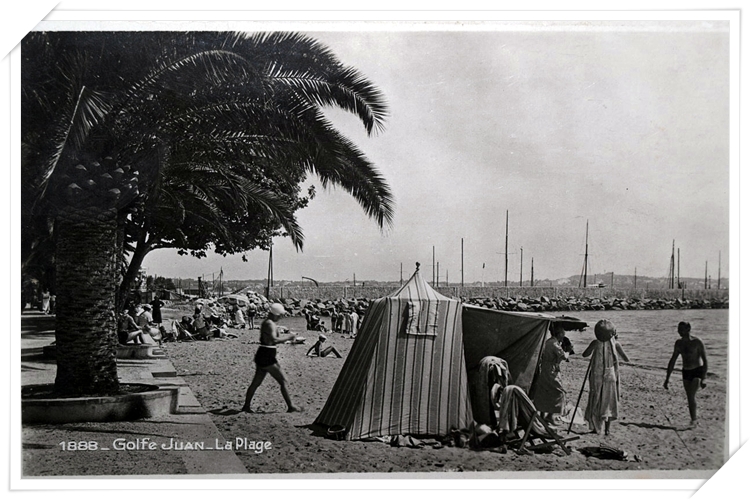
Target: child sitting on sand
[(604, 377), (315, 349)]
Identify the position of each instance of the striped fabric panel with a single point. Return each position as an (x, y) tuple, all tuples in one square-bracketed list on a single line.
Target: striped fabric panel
[(396, 383), (380, 377), (417, 384), (346, 396)]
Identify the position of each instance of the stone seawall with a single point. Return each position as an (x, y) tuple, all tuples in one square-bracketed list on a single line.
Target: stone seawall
[(325, 293)]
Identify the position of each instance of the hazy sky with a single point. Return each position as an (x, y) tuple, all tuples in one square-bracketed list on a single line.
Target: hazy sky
[(624, 125)]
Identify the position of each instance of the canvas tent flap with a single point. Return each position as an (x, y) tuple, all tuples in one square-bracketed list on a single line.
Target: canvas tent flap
[(515, 337)]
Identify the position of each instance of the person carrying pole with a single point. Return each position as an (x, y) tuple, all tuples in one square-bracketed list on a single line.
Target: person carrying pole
[(604, 377)]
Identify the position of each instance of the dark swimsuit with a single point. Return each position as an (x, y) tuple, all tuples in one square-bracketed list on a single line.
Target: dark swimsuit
[(694, 373), (265, 356)]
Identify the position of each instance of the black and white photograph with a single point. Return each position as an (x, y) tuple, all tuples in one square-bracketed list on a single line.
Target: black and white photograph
[(375, 249)]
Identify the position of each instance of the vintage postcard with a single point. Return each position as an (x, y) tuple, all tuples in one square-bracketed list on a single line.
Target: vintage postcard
[(458, 249)]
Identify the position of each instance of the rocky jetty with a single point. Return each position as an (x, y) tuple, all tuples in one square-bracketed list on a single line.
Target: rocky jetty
[(324, 308), (543, 304)]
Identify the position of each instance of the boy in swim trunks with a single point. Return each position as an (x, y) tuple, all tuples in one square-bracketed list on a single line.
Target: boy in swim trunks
[(265, 359), (694, 366)]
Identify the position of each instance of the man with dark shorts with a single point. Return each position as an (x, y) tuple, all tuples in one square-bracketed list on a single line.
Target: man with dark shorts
[(265, 359), (694, 366)]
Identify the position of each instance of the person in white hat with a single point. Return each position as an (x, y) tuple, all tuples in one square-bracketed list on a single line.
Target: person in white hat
[(316, 351), (265, 359)]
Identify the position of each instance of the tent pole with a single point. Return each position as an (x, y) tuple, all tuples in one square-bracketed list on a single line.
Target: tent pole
[(585, 377)]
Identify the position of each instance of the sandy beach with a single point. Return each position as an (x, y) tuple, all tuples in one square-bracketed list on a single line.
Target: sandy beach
[(652, 423)]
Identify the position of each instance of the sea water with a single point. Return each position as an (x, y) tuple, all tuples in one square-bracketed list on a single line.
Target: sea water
[(648, 337)]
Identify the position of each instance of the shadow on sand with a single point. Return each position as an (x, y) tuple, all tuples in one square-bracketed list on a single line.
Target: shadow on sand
[(644, 425)]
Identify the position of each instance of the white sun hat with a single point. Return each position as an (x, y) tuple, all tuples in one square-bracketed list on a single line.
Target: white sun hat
[(277, 309)]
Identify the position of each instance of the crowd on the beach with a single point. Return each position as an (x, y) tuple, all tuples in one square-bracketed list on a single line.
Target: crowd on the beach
[(549, 395), (143, 324)]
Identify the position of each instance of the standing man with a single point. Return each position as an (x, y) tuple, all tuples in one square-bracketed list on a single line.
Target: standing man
[(694, 367), (265, 359), (156, 306)]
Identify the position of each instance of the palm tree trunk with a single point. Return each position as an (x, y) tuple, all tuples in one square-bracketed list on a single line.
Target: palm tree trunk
[(142, 249), (86, 331)]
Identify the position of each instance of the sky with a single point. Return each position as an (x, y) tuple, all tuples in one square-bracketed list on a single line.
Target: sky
[(620, 124)]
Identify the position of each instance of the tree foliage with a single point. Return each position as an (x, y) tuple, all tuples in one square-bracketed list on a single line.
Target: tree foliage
[(139, 140), (223, 128)]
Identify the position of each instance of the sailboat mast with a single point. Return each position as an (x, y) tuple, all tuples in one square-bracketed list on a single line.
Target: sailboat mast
[(705, 279), (671, 268), (433, 265), (462, 262), (678, 268), (520, 282), (718, 282), (532, 271), (506, 249), (586, 256)]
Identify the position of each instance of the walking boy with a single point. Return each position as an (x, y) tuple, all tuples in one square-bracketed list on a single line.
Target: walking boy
[(265, 359), (694, 366)]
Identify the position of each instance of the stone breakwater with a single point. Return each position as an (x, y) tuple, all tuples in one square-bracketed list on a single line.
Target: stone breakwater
[(542, 304), (324, 308)]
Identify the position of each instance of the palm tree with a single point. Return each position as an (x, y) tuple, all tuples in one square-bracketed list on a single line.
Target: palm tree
[(134, 139)]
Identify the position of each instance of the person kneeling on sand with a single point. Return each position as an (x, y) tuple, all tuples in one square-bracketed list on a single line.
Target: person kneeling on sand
[(265, 358), (316, 351), (694, 366)]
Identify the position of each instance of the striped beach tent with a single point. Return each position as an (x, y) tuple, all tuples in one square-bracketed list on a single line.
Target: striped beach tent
[(406, 372)]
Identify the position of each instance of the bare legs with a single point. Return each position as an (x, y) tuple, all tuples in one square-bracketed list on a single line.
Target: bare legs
[(328, 350), (260, 375), (691, 389), (135, 336), (257, 380)]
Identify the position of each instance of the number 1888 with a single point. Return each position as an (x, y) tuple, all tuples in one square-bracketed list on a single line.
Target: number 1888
[(78, 445)]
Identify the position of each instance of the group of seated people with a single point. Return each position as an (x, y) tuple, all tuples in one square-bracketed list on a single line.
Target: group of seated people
[(137, 326), (201, 326)]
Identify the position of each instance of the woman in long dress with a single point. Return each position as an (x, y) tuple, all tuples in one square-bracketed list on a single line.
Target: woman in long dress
[(604, 377), (549, 395)]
